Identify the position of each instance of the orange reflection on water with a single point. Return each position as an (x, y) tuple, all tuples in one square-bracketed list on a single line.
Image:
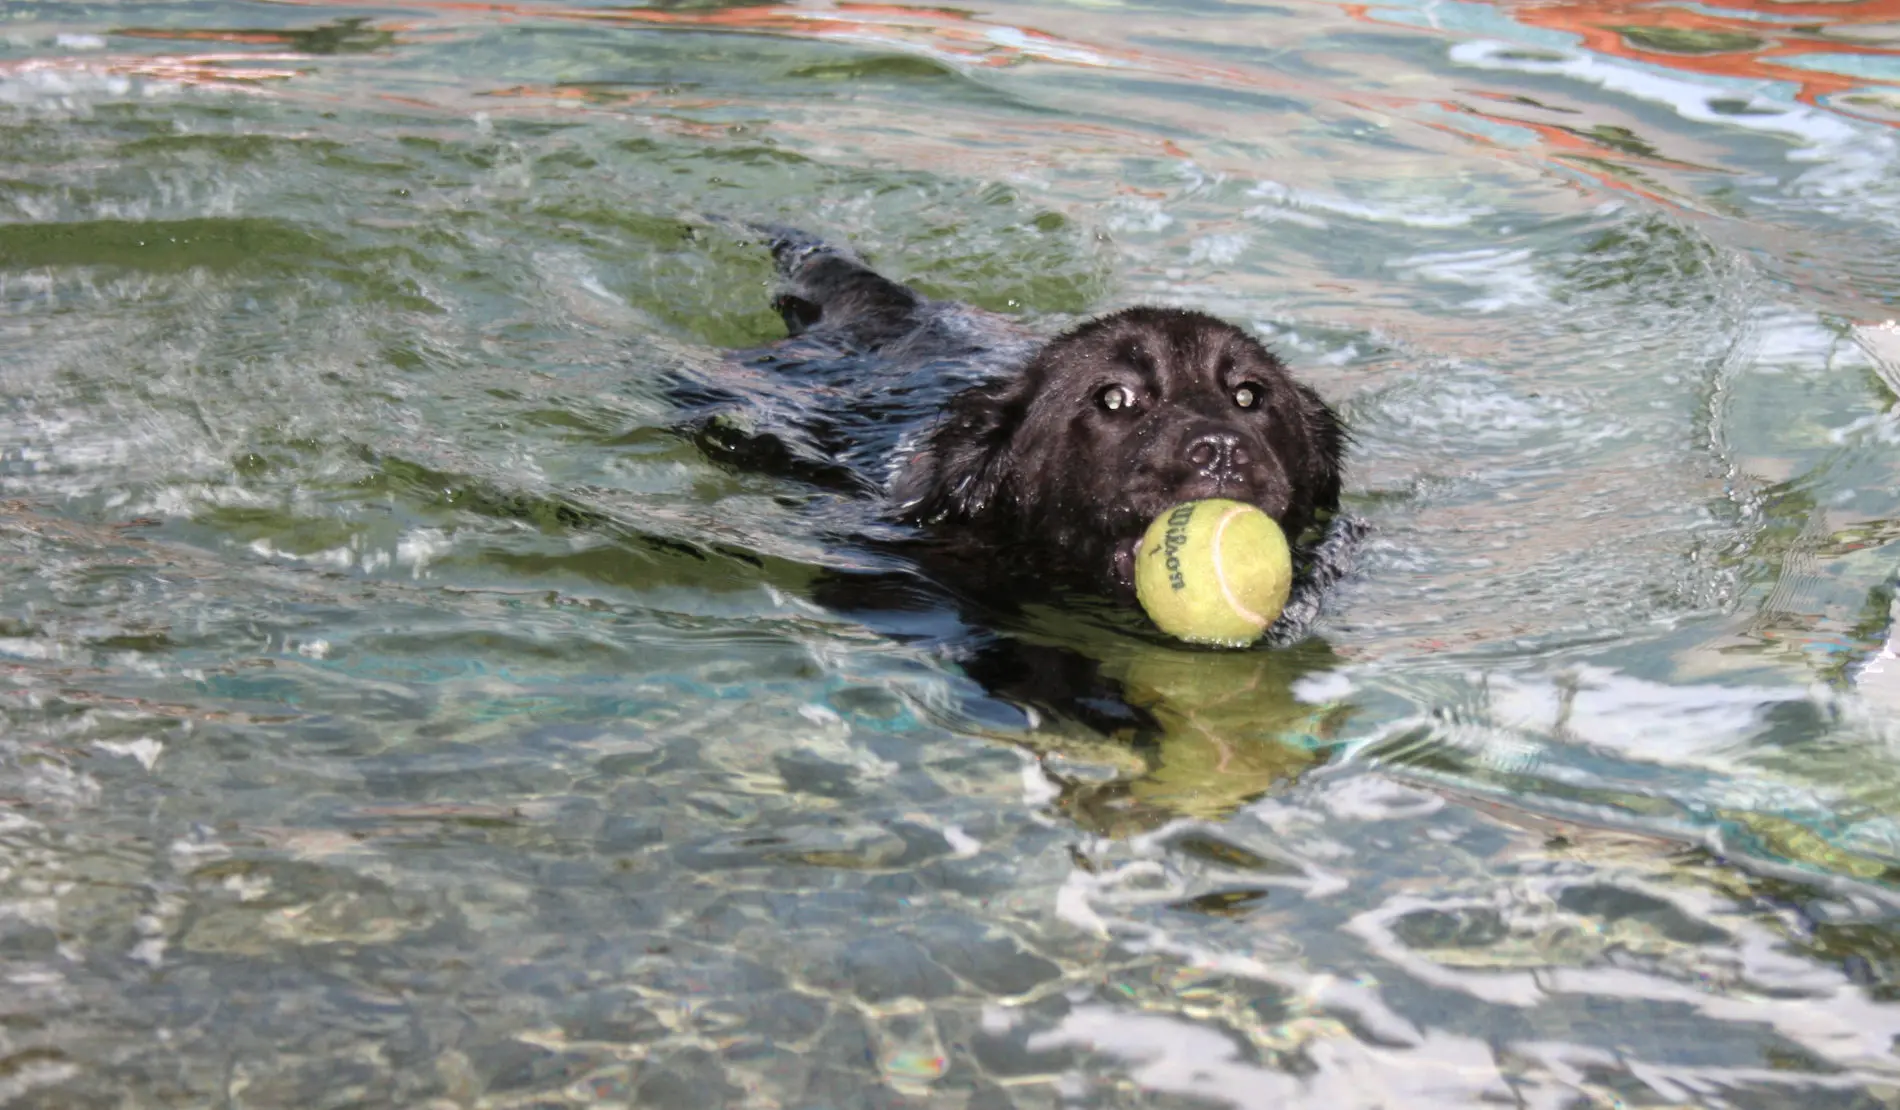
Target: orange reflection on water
[(1748, 39), (225, 72), (1576, 149), (1757, 41)]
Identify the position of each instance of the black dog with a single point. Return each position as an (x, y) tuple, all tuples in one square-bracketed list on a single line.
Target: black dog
[(1108, 426), (1023, 465)]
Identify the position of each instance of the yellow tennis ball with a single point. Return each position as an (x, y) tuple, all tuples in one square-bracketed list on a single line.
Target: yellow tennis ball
[(1213, 572)]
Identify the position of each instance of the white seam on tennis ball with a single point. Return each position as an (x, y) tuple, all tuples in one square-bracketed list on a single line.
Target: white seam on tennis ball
[(1220, 570)]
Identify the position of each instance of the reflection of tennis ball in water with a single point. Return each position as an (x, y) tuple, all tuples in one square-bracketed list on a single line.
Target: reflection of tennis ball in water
[(1213, 572)]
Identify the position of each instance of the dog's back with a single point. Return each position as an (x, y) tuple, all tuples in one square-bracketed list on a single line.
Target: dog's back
[(867, 365)]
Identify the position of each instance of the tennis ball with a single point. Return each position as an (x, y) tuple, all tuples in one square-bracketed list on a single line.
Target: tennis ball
[(1213, 572)]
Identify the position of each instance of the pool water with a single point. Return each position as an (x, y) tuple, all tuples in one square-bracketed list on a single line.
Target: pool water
[(396, 711)]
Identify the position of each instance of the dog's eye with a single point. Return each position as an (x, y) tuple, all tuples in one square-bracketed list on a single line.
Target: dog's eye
[(1247, 396), (1115, 398)]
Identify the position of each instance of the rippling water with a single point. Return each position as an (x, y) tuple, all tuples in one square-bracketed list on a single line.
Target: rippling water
[(397, 713)]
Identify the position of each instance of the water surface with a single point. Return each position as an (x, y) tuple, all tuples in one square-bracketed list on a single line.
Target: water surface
[(398, 713)]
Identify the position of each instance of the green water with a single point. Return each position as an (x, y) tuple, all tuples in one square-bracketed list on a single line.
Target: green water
[(394, 711)]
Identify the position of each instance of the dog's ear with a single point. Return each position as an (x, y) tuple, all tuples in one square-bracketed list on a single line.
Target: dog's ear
[(1317, 469), (962, 468), (1328, 457)]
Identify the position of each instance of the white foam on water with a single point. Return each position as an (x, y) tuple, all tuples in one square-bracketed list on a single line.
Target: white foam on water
[(1505, 278), (1289, 202)]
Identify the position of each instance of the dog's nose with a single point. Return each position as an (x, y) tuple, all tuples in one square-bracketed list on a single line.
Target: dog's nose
[(1217, 453)]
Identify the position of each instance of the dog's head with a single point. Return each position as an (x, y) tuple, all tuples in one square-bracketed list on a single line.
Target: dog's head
[(1111, 424)]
